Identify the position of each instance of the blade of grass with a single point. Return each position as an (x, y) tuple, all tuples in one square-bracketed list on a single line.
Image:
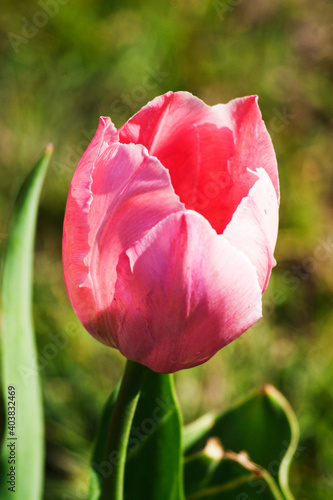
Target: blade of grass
[(25, 440)]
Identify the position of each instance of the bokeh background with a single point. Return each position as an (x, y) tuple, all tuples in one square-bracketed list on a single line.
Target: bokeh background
[(63, 64)]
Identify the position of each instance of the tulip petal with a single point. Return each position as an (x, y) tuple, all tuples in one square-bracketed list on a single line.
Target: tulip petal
[(210, 152), (182, 293), (253, 145), (194, 143), (254, 226), (131, 193), (76, 227)]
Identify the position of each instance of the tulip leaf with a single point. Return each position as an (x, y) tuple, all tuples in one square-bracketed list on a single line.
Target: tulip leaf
[(153, 462), (263, 425), (219, 475), (24, 430)]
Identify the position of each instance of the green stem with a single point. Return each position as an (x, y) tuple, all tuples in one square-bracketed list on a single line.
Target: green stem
[(119, 430)]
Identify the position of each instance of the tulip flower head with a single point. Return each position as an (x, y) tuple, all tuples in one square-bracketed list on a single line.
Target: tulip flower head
[(170, 227)]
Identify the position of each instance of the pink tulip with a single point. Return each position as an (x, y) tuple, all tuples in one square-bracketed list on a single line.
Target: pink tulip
[(170, 228)]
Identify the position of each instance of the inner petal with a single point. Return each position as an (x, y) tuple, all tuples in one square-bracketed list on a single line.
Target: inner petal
[(197, 157), (196, 144)]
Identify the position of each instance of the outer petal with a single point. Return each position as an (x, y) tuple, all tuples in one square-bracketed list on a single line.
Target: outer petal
[(253, 227), (253, 145), (76, 226), (130, 192), (182, 293)]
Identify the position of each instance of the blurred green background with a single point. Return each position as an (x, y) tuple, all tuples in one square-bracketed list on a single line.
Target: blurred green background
[(63, 64)]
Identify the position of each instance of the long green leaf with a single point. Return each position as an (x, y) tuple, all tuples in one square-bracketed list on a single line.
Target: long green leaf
[(19, 361)]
